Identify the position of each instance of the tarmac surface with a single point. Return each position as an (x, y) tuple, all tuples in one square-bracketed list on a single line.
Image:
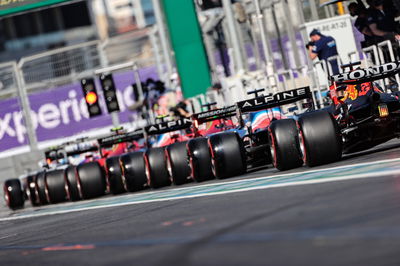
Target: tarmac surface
[(346, 213)]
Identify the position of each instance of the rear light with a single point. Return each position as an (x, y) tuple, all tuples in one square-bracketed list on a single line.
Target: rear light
[(383, 110)]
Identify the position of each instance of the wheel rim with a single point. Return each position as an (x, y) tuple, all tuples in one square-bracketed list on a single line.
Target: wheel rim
[(6, 196), (147, 170), (79, 186), (67, 186), (272, 149), (169, 166), (192, 166), (123, 178), (302, 147), (213, 168)]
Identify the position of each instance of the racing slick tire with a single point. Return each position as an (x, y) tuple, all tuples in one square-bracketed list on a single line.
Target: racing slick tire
[(55, 186), (133, 171), (91, 180), (228, 156), (200, 159), (319, 137), (31, 191), (114, 175), (156, 168), (178, 163), (71, 183), (13, 194), (41, 187), (284, 144)]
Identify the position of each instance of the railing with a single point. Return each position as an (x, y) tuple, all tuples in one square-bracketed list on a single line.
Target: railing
[(8, 79), (61, 66)]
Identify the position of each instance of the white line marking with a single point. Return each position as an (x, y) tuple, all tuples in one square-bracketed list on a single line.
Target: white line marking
[(7, 236), (266, 186)]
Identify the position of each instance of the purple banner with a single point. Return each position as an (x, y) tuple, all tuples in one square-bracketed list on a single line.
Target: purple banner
[(12, 128), (62, 112)]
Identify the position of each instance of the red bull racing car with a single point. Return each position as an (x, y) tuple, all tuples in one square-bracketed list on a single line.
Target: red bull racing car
[(362, 116)]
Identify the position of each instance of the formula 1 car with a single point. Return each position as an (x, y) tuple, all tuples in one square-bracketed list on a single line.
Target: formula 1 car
[(198, 152), (362, 116), (151, 167), (234, 152), (73, 171), (54, 183)]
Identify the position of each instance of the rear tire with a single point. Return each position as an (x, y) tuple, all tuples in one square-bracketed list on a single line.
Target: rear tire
[(55, 186), (114, 175), (91, 180), (156, 168), (71, 183), (319, 137), (227, 155), (200, 159), (41, 187), (178, 163), (284, 143), (13, 194), (31, 190), (133, 171)]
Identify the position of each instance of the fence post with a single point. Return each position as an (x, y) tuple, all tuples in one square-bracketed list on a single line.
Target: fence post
[(26, 108), (102, 53), (156, 49)]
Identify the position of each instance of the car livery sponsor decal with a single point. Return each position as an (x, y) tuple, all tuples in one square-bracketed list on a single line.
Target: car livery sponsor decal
[(263, 119), (274, 100), (168, 126), (371, 72)]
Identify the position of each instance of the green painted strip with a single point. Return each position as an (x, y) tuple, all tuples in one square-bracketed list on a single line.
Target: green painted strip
[(21, 6)]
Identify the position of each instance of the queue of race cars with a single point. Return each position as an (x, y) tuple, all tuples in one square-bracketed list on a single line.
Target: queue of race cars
[(221, 143)]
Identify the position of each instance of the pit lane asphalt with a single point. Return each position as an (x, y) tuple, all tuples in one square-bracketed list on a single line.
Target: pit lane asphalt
[(347, 222)]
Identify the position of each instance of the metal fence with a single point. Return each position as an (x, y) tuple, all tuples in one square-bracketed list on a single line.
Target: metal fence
[(68, 65), (8, 79), (61, 66)]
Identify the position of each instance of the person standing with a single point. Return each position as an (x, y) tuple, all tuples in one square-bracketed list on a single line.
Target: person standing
[(323, 47), (382, 22), (361, 23)]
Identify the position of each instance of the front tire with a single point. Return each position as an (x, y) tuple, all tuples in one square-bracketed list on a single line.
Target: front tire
[(284, 143), (227, 155), (320, 140)]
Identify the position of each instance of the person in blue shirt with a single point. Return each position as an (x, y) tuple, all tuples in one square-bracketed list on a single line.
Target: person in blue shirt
[(323, 47)]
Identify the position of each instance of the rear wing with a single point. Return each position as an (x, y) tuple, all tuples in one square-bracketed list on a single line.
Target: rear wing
[(274, 100), (215, 114), (62, 151), (120, 138), (359, 76), (169, 126)]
